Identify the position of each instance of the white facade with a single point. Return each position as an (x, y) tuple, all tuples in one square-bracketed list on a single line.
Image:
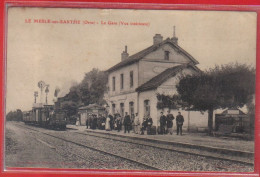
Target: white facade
[(123, 97), (117, 96)]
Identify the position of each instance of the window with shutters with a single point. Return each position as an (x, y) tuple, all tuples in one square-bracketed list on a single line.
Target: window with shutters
[(146, 107), (113, 108), (131, 78), (122, 109), (131, 108), (122, 81), (114, 83)]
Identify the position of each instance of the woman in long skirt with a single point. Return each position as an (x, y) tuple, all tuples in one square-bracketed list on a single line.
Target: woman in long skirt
[(108, 124), (137, 124)]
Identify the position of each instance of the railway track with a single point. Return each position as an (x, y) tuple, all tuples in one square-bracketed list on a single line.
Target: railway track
[(175, 149), (148, 166), (147, 154)]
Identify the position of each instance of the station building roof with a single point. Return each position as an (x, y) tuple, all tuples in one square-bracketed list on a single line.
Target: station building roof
[(138, 56)]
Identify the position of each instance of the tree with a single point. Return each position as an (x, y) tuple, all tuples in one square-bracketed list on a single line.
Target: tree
[(169, 101), (70, 107), (225, 86), (90, 90), (14, 115), (9, 116), (93, 87), (98, 86)]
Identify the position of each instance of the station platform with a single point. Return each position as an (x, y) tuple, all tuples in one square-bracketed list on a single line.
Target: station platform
[(188, 139)]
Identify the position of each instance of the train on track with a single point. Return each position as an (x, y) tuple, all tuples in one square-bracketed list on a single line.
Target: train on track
[(46, 116)]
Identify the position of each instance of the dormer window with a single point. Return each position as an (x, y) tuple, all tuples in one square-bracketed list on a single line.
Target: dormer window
[(166, 55)]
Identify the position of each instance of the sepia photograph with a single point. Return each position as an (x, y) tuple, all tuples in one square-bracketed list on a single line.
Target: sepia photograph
[(128, 89)]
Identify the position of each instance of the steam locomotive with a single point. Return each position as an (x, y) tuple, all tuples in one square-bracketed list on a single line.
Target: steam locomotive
[(46, 116)]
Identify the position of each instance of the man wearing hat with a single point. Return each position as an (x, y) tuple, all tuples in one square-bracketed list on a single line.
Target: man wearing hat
[(127, 122), (162, 123), (169, 122), (179, 123)]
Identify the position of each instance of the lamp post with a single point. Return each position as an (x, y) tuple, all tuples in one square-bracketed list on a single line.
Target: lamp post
[(41, 85), (35, 96)]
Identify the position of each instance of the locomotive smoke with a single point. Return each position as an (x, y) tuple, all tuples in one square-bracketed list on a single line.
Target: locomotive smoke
[(65, 88), (56, 93)]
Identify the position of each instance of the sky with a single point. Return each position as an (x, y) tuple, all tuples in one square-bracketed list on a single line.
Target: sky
[(60, 53)]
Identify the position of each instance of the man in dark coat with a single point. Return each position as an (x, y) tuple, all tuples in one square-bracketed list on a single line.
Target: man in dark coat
[(103, 122), (149, 124), (127, 122), (94, 122), (169, 122), (144, 125), (90, 121), (118, 122), (179, 123), (111, 121), (162, 123), (87, 122), (99, 122)]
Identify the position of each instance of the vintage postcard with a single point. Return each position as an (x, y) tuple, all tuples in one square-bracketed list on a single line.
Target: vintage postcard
[(163, 90)]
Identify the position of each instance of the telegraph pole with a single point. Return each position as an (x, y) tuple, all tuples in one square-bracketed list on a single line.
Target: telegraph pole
[(47, 91)]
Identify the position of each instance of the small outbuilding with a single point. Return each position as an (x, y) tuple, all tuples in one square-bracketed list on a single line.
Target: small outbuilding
[(85, 111), (233, 119)]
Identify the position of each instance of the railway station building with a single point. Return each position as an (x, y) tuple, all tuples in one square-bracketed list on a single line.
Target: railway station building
[(134, 82), (90, 109)]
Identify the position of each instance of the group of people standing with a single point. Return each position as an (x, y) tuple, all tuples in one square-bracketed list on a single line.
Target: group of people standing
[(110, 122), (132, 122), (95, 121), (166, 123)]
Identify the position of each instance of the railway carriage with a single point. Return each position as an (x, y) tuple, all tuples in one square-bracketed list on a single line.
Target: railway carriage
[(46, 116), (27, 116)]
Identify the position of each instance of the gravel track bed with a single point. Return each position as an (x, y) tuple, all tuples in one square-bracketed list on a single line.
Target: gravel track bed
[(163, 159), (80, 157), (193, 151), (28, 151), (10, 143)]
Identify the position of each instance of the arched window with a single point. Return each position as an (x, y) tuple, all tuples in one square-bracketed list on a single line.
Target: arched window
[(146, 107)]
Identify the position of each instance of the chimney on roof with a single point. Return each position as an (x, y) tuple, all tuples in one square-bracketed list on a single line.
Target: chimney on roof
[(124, 54), (157, 39), (174, 38)]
